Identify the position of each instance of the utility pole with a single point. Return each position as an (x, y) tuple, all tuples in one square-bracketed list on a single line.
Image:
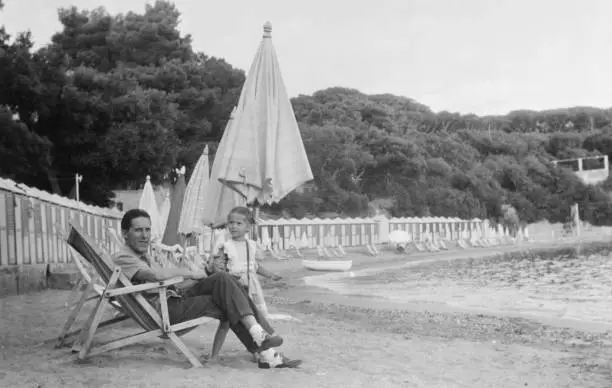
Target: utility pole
[(77, 178)]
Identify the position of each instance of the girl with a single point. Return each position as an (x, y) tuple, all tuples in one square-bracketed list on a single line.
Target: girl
[(237, 255)]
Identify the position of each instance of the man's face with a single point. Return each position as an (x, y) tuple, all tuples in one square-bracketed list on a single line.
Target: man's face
[(138, 237)]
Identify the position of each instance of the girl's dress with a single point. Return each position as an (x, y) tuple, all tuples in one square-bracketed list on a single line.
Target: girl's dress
[(241, 261)]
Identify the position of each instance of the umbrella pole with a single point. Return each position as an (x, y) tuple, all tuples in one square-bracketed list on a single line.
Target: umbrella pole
[(212, 238)]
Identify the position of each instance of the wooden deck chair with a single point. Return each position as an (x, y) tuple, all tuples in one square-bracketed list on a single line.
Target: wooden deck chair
[(327, 252), (462, 244), (370, 250), (92, 291), (87, 278), (419, 246), (442, 245), (322, 254), (334, 252), (273, 253), (298, 253), (118, 287), (375, 249), (431, 247), (337, 252), (279, 253)]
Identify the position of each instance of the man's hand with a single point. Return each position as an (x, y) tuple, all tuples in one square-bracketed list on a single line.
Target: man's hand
[(218, 264), (197, 275)]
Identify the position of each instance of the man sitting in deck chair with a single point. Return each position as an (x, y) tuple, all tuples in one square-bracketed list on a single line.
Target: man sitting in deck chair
[(201, 295)]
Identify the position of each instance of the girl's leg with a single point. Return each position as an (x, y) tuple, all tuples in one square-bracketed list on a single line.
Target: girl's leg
[(220, 335)]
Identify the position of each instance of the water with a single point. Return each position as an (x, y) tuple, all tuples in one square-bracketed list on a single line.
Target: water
[(563, 289)]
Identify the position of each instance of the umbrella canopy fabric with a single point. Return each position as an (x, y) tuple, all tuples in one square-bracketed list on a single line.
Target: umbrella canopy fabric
[(194, 201), (220, 199), (149, 204), (171, 236), (261, 154), (164, 210)]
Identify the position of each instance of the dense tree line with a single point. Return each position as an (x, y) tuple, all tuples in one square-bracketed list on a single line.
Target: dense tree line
[(117, 97)]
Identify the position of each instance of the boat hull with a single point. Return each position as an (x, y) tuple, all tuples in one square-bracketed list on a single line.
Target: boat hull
[(328, 265)]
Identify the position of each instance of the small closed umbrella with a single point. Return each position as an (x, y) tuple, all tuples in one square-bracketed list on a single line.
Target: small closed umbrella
[(194, 201), (149, 204), (171, 236)]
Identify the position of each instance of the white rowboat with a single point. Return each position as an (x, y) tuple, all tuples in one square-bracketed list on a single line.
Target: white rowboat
[(327, 265)]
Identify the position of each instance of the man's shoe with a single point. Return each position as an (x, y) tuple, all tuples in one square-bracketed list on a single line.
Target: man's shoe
[(271, 341), (279, 361)]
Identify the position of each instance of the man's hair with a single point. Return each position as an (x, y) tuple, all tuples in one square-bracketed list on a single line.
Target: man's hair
[(126, 221), (244, 211)]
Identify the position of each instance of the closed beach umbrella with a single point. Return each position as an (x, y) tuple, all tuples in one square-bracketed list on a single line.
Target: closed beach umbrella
[(149, 204), (171, 236), (220, 199), (261, 154), (164, 211), (194, 201)]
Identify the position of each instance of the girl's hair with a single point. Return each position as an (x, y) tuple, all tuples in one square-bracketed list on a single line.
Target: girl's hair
[(243, 211)]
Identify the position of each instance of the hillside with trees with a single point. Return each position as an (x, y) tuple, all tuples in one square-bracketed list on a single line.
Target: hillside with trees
[(117, 97)]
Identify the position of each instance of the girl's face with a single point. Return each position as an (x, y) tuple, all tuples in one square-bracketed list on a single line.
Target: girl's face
[(238, 226)]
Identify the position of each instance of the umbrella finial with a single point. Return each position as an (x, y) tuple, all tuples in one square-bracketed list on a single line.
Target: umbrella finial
[(267, 27)]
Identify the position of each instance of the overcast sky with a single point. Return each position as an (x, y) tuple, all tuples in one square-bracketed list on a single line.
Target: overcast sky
[(470, 56)]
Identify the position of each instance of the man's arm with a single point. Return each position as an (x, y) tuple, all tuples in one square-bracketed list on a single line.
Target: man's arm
[(157, 275), (136, 269)]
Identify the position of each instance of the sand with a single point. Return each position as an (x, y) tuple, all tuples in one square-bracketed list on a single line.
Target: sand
[(345, 341)]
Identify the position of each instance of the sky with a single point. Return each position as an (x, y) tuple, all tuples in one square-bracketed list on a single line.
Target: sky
[(468, 56)]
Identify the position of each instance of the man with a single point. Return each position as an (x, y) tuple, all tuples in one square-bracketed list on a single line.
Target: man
[(218, 296)]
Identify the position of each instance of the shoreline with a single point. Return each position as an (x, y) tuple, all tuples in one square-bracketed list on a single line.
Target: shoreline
[(321, 289)]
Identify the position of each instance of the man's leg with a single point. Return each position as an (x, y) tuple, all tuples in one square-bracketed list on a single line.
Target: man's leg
[(192, 307), (231, 297)]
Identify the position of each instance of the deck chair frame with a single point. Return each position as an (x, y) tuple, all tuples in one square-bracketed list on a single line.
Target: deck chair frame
[(119, 288)]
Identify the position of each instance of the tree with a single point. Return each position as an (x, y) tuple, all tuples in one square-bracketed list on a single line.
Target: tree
[(118, 97), (99, 88)]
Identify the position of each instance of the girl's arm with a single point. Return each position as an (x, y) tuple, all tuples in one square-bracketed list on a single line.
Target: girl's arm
[(270, 275)]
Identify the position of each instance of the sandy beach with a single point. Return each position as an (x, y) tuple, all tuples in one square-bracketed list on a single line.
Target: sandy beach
[(346, 338)]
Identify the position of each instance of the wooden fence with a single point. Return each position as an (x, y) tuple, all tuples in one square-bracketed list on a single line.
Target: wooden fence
[(32, 223), (349, 232)]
